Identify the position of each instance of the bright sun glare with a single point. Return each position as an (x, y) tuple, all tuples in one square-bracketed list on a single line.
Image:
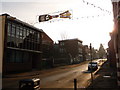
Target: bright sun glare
[(89, 23)]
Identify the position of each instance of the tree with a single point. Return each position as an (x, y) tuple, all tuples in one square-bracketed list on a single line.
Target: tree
[(102, 52), (64, 35), (94, 53)]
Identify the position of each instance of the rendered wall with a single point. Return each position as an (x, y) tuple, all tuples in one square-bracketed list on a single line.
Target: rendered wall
[(2, 21)]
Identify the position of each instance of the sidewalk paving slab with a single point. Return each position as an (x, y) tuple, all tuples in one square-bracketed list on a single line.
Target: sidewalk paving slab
[(105, 78)]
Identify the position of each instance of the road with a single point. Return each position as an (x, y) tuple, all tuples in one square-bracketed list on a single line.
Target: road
[(65, 78), (61, 77)]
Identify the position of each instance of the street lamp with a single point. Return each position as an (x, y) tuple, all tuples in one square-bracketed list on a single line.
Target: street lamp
[(91, 62)]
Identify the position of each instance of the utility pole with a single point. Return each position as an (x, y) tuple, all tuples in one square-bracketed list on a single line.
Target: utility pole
[(91, 62)]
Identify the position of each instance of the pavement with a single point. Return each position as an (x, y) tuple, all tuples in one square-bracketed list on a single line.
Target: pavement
[(104, 78)]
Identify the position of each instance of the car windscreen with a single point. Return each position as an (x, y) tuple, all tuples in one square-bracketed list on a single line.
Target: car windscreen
[(93, 63)]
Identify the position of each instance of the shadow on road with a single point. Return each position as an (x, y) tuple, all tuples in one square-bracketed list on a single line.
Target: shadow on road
[(87, 71)]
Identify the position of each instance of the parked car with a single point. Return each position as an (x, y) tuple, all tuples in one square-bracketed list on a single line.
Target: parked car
[(29, 84), (92, 66)]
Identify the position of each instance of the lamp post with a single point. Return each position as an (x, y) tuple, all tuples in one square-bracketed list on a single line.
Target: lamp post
[(91, 62)]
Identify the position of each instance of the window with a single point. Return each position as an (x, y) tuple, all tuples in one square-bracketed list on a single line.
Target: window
[(21, 32), (10, 55), (38, 39), (14, 56), (19, 57), (24, 33), (36, 36), (11, 35), (27, 31), (62, 43), (26, 56), (13, 30), (62, 50), (9, 29), (20, 36), (17, 32)]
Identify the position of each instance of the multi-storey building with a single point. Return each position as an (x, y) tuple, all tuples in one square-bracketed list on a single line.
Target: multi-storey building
[(111, 52), (72, 48), (20, 45), (116, 35)]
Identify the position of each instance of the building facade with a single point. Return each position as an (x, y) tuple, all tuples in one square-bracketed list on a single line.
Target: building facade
[(21, 45), (73, 49), (116, 35), (47, 51), (111, 52)]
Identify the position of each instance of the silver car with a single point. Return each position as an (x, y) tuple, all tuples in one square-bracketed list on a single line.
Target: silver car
[(92, 66)]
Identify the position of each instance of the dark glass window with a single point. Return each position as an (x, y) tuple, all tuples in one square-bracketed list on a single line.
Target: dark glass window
[(19, 56), (9, 29), (11, 35), (27, 32), (13, 30), (24, 33), (26, 56), (21, 32), (20, 36), (17, 31), (38, 39), (10, 55), (14, 56)]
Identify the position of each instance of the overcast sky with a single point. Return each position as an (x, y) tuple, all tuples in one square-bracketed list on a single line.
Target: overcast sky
[(89, 23)]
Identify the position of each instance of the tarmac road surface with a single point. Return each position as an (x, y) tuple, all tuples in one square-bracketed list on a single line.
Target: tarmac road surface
[(61, 77)]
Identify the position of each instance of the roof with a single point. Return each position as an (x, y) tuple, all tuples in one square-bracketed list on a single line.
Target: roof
[(115, 0), (72, 40), (47, 36), (24, 23)]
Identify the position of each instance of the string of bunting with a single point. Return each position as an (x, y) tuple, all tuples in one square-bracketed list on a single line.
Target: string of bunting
[(88, 3), (47, 17), (67, 14), (75, 18)]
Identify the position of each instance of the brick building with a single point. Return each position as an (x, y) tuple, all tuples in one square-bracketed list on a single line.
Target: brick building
[(20, 47), (116, 35), (73, 49), (47, 51), (111, 52)]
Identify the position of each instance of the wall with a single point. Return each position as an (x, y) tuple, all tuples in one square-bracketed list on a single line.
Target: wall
[(111, 55), (118, 58), (116, 13), (2, 21)]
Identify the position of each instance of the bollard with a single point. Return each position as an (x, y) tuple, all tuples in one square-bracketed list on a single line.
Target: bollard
[(75, 84)]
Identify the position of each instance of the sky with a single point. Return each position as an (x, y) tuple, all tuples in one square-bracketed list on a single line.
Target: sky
[(89, 24)]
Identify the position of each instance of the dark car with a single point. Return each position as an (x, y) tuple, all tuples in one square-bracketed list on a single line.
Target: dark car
[(92, 66), (29, 84)]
